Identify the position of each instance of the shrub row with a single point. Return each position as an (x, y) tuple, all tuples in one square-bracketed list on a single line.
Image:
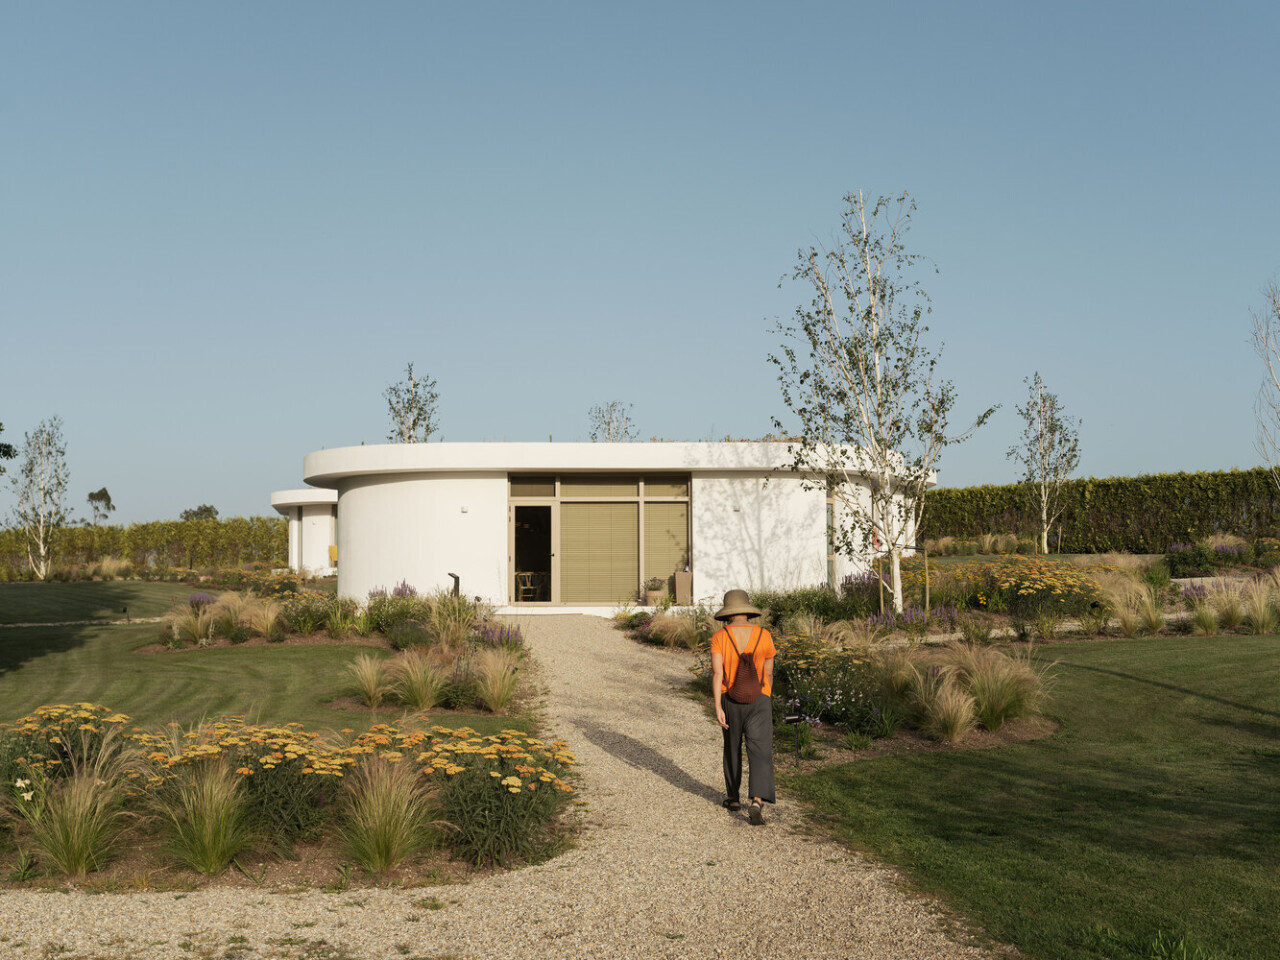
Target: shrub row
[(1142, 514), (1215, 554), (162, 544)]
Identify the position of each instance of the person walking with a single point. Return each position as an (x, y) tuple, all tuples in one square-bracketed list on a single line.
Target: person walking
[(741, 685)]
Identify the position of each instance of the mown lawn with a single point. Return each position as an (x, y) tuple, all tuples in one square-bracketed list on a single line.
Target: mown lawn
[(99, 663), (1154, 811), (107, 600)]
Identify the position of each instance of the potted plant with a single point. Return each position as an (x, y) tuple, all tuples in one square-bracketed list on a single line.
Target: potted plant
[(655, 588)]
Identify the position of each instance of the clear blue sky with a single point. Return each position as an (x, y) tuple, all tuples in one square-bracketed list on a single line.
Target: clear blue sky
[(225, 227)]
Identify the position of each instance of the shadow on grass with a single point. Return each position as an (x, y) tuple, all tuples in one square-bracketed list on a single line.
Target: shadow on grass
[(87, 600), (19, 645), (1170, 686), (45, 608)]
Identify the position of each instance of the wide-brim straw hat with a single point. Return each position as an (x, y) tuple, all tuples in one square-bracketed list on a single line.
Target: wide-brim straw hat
[(735, 603)]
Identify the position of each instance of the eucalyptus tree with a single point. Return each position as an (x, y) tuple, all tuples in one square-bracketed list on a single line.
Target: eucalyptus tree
[(412, 405), (41, 486), (6, 451), (101, 506), (1049, 452), (872, 410)]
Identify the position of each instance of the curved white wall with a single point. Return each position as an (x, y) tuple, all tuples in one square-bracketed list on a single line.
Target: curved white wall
[(420, 528)]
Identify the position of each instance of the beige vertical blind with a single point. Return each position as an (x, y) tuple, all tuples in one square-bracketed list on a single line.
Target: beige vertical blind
[(666, 538), (599, 552)]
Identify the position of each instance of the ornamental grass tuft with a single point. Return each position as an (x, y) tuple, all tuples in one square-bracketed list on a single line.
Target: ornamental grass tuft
[(205, 811), (266, 619), (675, 630), (387, 813), (1259, 606), (495, 677), (898, 673), (452, 619), (853, 634), (231, 614), (192, 623), (1205, 618), (1003, 687), (73, 809), (417, 682), (947, 711), (1150, 616), (369, 676), (1225, 596)]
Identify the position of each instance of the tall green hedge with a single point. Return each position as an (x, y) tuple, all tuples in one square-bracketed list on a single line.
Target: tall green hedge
[(228, 542), (1138, 514)]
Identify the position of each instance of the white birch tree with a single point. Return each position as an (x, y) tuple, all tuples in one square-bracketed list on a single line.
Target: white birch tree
[(41, 485), (1049, 452), (1266, 341), (412, 404), (864, 389), (611, 422)]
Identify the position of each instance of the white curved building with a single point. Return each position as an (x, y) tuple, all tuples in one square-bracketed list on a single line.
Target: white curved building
[(313, 528), (568, 526)]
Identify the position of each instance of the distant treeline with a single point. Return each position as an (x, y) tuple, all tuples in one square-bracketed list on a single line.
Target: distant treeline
[(1135, 514), (162, 544)]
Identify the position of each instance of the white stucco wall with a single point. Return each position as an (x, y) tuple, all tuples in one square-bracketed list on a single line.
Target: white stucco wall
[(420, 528), (752, 534), (311, 527), (316, 534)]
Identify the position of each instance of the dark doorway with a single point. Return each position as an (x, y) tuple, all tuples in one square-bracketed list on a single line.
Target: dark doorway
[(532, 555)]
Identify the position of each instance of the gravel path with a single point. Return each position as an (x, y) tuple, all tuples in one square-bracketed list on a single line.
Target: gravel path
[(660, 871)]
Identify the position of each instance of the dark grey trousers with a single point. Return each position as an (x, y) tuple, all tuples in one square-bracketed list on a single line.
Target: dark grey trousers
[(755, 721)]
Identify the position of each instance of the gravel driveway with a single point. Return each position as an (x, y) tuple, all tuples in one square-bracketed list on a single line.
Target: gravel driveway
[(661, 870)]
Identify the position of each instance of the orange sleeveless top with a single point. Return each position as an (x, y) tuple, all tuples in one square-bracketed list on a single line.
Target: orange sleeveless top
[(722, 643)]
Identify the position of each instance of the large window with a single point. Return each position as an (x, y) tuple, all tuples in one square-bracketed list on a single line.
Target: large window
[(599, 552), (611, 533)]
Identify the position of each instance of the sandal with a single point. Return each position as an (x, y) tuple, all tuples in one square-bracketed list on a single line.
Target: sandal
[(730, 804), (756, 812)]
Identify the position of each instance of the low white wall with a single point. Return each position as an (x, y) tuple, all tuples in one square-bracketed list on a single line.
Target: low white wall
[(420, 528)]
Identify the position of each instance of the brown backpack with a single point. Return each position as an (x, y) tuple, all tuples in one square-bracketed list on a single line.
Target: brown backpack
[(746, 686)]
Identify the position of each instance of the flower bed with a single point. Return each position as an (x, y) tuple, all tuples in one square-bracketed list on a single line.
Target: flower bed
[(490, 799)]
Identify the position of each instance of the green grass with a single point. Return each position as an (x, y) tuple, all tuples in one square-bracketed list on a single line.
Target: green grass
[(60, 602), (1152, 811), (97, 663)]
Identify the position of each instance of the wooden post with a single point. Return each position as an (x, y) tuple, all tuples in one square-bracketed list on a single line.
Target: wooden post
[(880, 580), (926, 582)]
